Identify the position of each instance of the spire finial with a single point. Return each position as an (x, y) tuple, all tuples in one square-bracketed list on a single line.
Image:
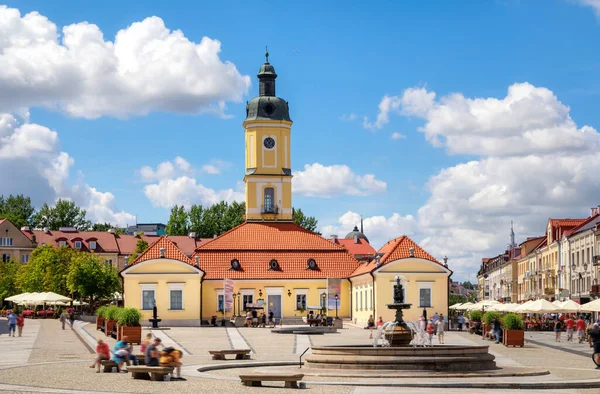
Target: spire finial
[(267, 54)]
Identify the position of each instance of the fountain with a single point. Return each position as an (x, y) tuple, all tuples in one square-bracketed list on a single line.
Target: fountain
[(401, 335), (392, 350)]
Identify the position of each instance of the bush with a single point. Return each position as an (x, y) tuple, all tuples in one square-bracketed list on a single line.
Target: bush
[(512, 321), (475, 315), (129, 317), (489, 317), (101, 312), (112, 312)]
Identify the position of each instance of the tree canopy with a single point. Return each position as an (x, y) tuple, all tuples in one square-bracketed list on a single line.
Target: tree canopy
[(64, 214), (17, 209), (216, 219), (107, 226), (8, 279), (90, 278), (46, 270)]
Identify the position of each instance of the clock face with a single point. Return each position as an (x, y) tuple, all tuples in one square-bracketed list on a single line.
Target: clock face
[(269, 143)]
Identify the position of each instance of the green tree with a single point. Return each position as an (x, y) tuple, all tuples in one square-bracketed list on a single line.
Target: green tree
[(64, 214), (308, 222), (88, 277), (140, 247), (214, 223), (107, 226), (456, 298), (8, 279), (233, 216), (468, 285), (178, 222), (196, 216), (46, 270), (17, 209)]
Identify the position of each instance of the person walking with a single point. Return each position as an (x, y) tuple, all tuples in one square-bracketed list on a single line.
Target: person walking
[(429, 330), (558, 329), (71, 318), (497, 328), (570, 324), (12, 323), (461, 320), (371, 326), (20, 324), (63, 318), (380, 322), (439, 325), (580, 325), (434, 320), (594, 340)]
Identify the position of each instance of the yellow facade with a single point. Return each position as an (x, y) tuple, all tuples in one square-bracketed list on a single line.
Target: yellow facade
[(285, 290), (268, 170), (16, 246), (163, 276), (417, 273)]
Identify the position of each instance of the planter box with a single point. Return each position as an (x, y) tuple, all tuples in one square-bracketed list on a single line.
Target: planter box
[(99, 323), (513, 338), (109, 326), (133, 333)]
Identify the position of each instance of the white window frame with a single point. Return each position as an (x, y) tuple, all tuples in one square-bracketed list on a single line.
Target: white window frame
[(361, 298), (62, 243), (6, 241), (247, 292), (356, 298), (93, 245), (370, 297), (220, 292), (146, 287), (78, 244), (425, 285), (24, 258), (176, 287), (298, 292)]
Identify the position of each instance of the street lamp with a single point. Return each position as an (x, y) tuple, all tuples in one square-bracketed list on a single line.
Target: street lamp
[(239, 298), (323, 299), (234, 296), (336, 306)]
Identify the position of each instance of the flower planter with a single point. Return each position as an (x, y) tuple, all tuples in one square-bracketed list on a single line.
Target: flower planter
[(133, 333), (109, 326), (99, 323), (513, 338)]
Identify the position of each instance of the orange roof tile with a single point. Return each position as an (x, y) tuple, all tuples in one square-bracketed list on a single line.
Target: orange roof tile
[(566, 222), (105, 241), (395, 249), (171, 252), (582, 224), (254, 245), (127, 243), (361, 248)]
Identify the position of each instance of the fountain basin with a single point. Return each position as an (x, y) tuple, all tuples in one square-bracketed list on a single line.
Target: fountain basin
[(436, 358)]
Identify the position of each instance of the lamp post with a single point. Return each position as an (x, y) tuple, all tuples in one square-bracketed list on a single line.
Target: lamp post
[(336, 305), (234, 296), (573, 267), (585, 273), (239, 298), (323, 301)]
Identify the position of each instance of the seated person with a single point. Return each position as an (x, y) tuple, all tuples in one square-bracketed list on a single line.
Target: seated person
[(102, 353), (123, 353), (152, 354), (171, 357)]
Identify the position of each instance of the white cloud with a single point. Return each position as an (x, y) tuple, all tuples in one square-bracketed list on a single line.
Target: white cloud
[(378, 229), (595, 4), (187, 191), (179, 167), (387, 105), (348, 117), (327, 181), (147, 68), (398, 136), (31, 154)]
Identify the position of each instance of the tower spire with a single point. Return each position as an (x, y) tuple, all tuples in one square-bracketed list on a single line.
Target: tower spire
[(513, 244), (361, 224)]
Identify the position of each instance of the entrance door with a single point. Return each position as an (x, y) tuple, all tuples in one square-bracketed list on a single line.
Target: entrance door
[(274, 304)]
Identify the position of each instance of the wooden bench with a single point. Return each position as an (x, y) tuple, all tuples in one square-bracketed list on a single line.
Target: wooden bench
[(291, 380), (110, 364), (149, 373), (240, 354)]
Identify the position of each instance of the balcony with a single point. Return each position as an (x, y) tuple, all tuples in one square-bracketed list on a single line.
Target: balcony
[(269, 209)]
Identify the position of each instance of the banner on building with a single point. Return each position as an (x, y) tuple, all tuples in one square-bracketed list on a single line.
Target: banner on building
[(334, 286), (228, 290)]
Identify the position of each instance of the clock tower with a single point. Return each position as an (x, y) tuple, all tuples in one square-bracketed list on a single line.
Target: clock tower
[(268, 176)]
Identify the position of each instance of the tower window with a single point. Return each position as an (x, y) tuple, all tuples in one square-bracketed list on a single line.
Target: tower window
[(269, 201)]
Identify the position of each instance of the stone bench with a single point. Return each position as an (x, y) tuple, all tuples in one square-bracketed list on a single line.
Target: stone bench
[(149, 373), (291, 380), (110, 364), (240, 354)]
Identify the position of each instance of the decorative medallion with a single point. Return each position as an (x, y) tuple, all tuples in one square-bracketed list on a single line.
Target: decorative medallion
[(269, 143)]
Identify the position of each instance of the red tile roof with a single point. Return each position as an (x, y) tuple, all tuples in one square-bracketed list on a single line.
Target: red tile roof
[(361, 248), (127, 243), (171, 252), (395, 249), (254, 245), (582, 224), (105, 241)]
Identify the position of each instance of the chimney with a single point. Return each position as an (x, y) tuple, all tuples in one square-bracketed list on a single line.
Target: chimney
[(192, 235), (197, 264), (334, 238), (411, 251), (25, 228), (162, 252), (595, 211), (356, 239), (111, 230), (377, 260), (126, 261), (215, 236), (46, 230)]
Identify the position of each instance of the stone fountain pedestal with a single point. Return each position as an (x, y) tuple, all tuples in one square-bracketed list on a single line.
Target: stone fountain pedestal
[(401, 335)]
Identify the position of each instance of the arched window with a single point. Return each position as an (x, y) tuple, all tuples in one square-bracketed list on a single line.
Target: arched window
[(269, 200)]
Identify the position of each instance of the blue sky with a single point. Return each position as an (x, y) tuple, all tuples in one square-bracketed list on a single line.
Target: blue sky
[(337, 60)]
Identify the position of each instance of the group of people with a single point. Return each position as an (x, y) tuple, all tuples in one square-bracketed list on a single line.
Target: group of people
[(15, 323), (253, 319), (153, 357), (316, 319), (434, 326), (371, 325)]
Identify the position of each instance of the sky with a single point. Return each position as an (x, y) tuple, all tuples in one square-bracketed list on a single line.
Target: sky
[(443, 121)]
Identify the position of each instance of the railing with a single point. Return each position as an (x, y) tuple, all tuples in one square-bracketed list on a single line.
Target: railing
[(272, 209)]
